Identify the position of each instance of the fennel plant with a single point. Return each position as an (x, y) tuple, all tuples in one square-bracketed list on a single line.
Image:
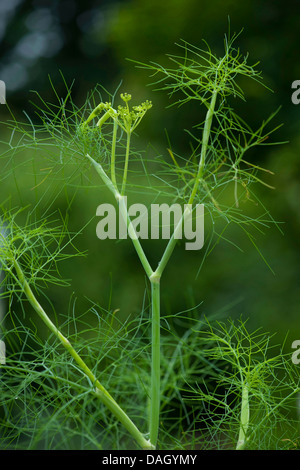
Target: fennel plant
[(99, 137)]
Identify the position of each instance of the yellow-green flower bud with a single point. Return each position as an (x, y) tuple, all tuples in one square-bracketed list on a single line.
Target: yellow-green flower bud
[(125, 97)]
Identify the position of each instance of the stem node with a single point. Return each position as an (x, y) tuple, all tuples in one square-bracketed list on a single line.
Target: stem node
[(155, 278)]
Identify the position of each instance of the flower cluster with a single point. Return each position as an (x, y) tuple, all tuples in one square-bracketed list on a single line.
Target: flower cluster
[(128, 119)]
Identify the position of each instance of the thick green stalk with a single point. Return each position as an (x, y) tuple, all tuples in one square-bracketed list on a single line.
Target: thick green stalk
[(244, 418), (155, 366), (101, 392)]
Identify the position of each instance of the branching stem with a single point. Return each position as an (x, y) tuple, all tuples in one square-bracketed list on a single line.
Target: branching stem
[(154, 277)]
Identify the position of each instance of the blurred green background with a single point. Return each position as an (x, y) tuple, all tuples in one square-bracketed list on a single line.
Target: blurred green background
[(89, 42)]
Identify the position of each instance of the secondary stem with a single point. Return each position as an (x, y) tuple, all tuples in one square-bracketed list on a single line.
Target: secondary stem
[(126, 163), (113, 154), (122, 206), (101, 392), (205, 139)]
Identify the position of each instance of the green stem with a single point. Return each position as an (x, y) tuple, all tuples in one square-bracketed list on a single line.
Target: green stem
[(155, 366), (244, 418), (122, 206), (155, 284), (205, 139), (171, 244), (106, 180), (135, 240), (101, 392), (113, 154), (126, 163)]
